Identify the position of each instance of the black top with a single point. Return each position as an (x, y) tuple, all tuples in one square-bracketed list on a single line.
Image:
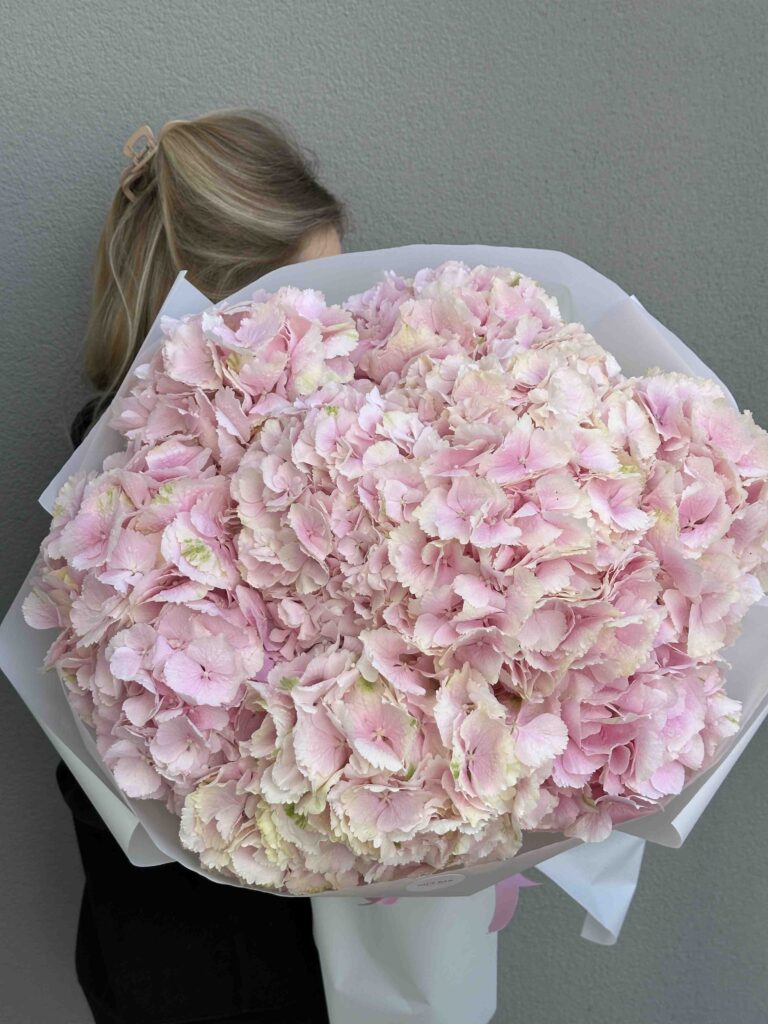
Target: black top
[(83, 419), (165, 945)]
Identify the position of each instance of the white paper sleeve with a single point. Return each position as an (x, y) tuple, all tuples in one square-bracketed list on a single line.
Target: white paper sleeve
[(420, 961)]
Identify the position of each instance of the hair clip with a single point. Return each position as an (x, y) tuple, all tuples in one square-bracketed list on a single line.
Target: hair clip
[(138, 156)]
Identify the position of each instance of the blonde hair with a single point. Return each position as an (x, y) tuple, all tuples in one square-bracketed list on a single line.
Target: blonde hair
[(227, 196)]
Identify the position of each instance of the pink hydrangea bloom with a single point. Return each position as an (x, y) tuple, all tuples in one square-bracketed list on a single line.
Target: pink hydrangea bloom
[(375, 588)]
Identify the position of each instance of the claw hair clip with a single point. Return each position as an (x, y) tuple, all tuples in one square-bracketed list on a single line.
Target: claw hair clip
[(139, 155)]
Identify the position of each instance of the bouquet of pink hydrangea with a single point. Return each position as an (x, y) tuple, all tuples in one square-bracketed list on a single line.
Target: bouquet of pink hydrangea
[(376, 588)]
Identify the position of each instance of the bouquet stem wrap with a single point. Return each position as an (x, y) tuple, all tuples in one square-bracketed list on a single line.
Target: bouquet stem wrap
[(422, 960)]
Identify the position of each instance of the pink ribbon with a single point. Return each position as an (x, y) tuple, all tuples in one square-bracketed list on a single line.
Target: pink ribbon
[(507, 896)]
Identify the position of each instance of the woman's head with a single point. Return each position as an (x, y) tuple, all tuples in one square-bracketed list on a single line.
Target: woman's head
[(228, 197)]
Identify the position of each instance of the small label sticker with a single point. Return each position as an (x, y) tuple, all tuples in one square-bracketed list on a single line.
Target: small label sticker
[(435, 882)]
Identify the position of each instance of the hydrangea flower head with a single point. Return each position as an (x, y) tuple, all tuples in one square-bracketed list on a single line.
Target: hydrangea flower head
[(374, 589)]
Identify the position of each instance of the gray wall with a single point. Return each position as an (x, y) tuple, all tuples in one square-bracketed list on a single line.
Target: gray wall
[(630, 134)]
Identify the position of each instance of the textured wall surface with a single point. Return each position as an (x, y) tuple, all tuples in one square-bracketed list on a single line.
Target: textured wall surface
[(630, 134)]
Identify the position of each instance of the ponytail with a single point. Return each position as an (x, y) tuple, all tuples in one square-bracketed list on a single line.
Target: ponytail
[(227, 197)]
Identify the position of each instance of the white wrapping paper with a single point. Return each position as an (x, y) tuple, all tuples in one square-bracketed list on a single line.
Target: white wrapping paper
[(422, 960), (601, 877)]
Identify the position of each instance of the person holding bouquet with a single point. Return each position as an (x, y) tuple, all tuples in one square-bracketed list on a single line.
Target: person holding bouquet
[(389, 583)]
